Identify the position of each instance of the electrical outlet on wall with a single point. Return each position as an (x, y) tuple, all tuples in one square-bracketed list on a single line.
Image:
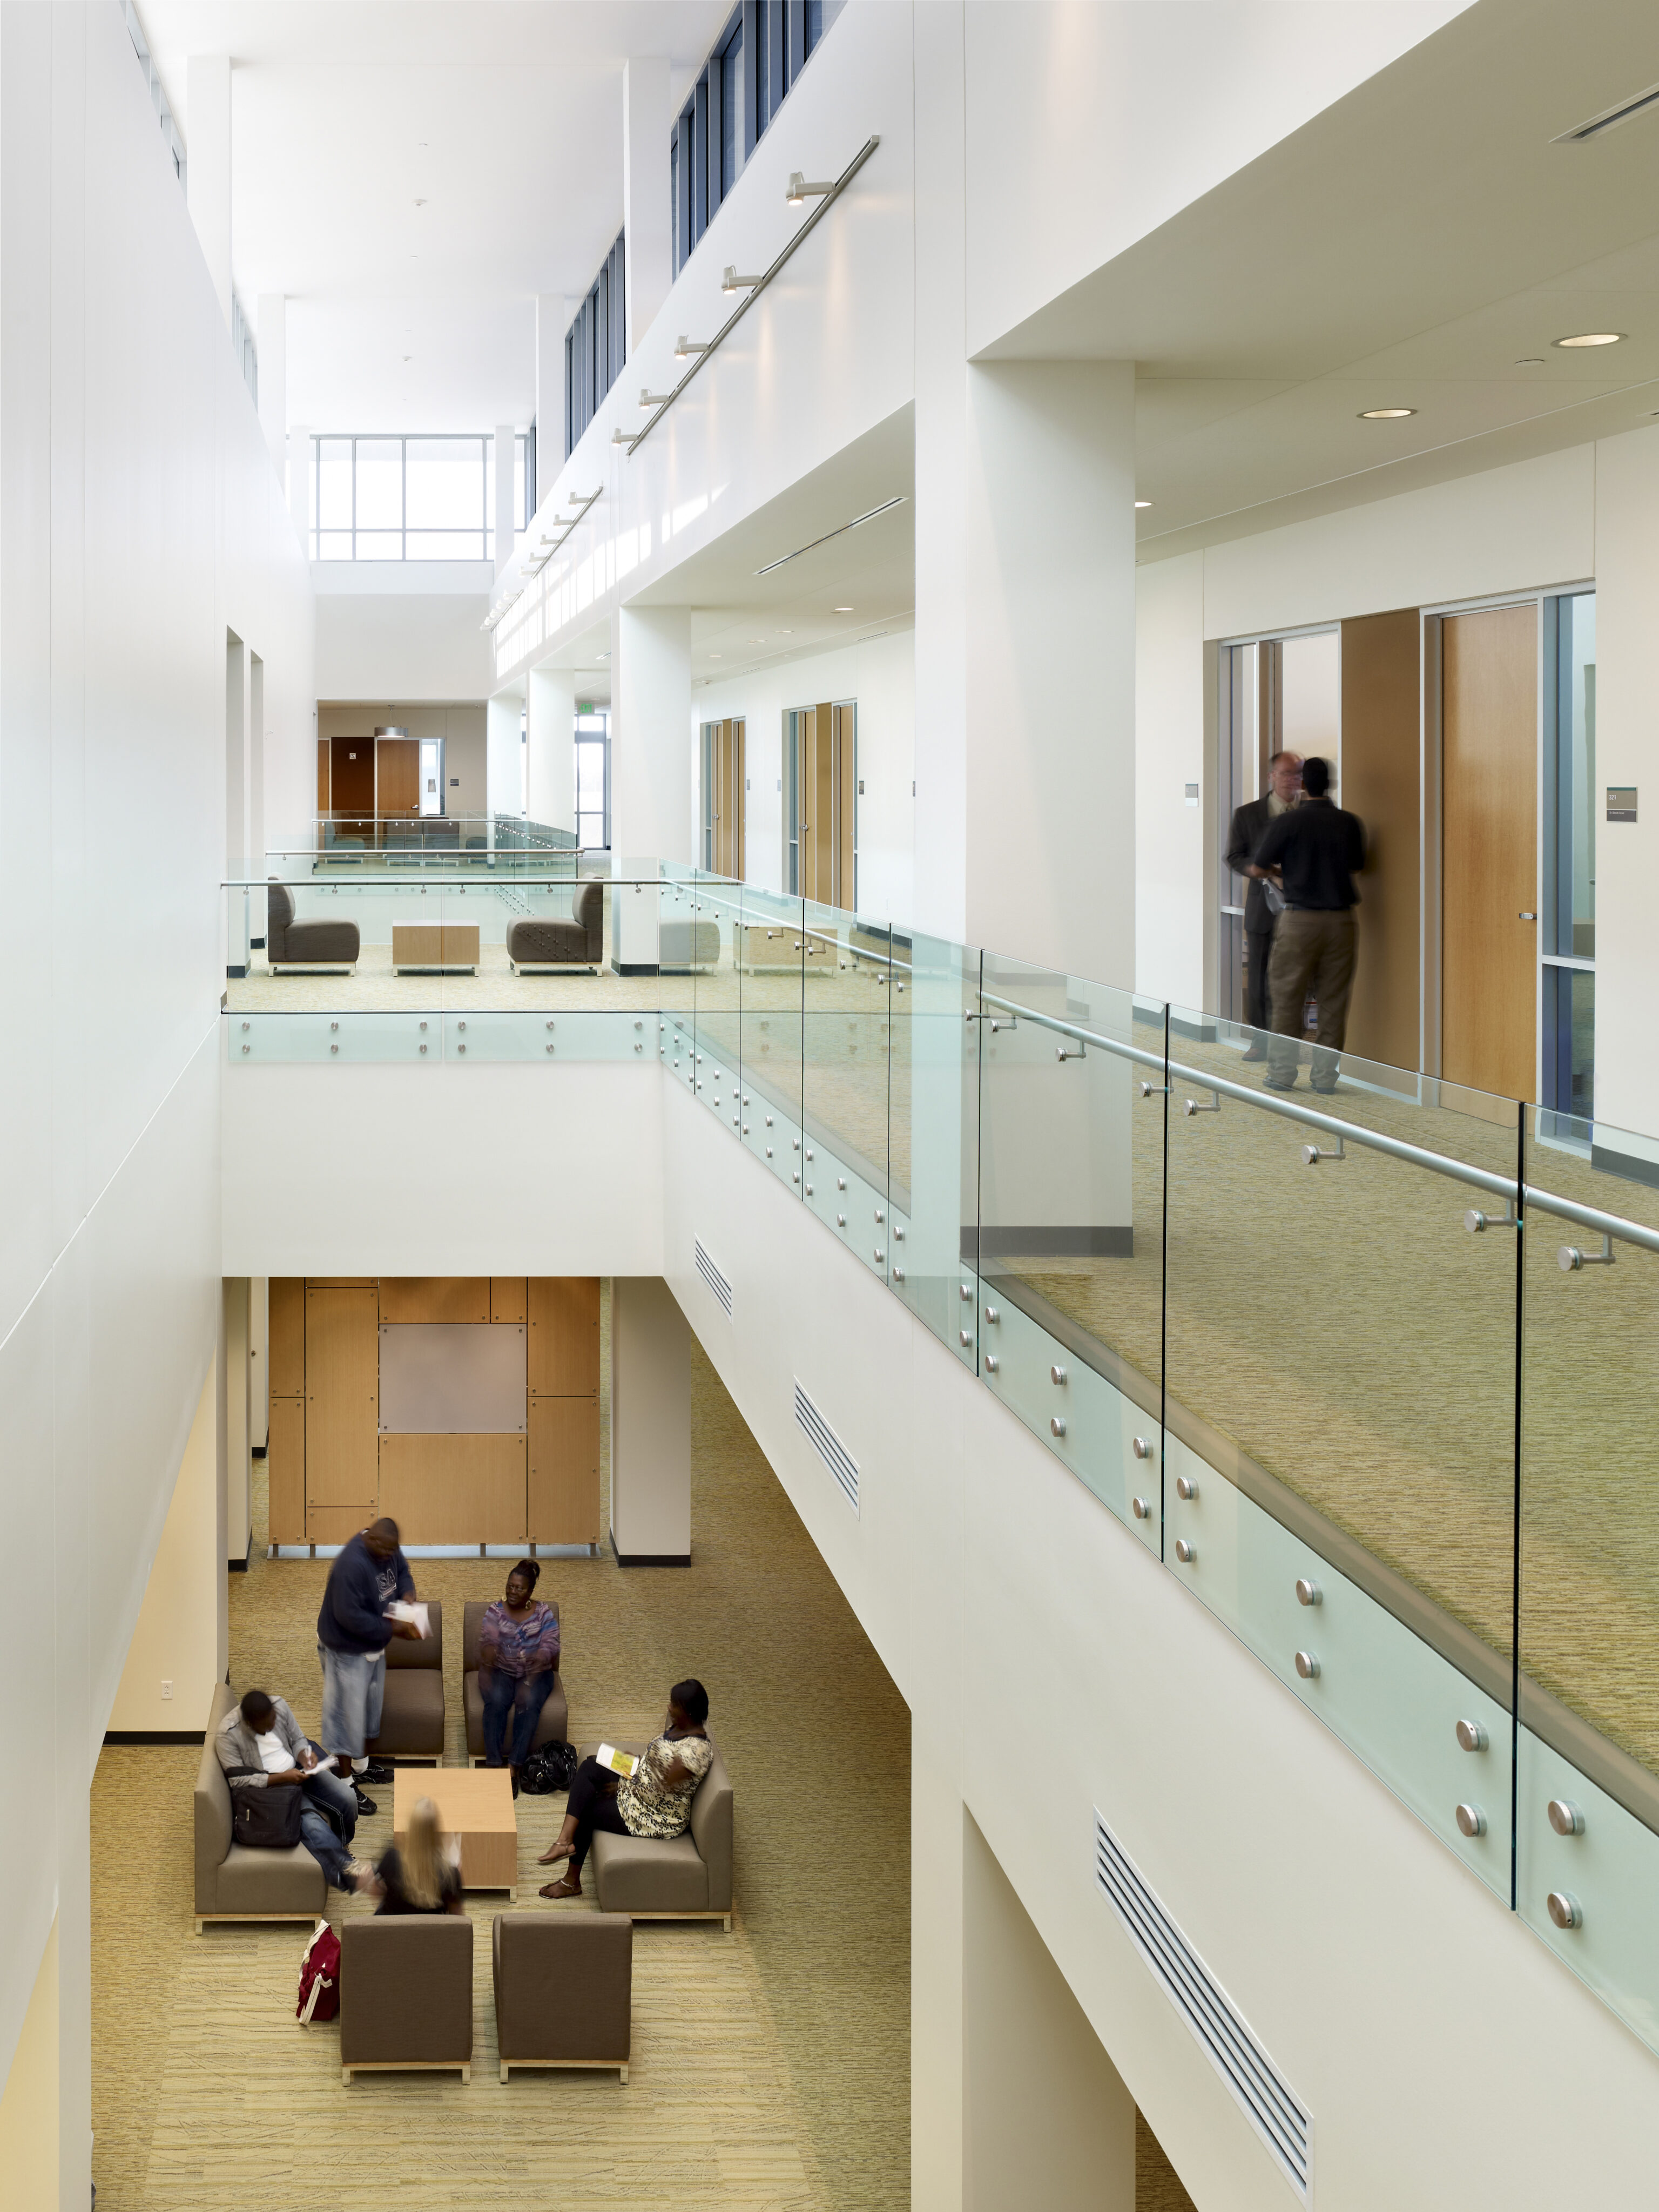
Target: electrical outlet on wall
[(166, 1689)]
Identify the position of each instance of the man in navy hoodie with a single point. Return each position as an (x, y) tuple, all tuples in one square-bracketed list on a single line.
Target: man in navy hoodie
[(352, 1634)]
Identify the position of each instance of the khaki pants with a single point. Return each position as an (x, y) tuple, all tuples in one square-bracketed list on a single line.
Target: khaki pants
[(1312, 951)]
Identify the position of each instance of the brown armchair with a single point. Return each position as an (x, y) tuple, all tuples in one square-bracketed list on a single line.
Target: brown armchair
[(564, 1989), (552, 942), (232, 1881), (412, 1715), (555, 1720), (291, 944), (406, 1994)]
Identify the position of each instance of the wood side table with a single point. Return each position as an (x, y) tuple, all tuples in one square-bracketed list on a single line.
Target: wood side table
[(434, 945), (475, 1803)]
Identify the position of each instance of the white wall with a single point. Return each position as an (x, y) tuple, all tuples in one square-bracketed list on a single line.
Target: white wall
[(1172, 882), (141, 520), (879, 673), (178, 1640), (403, 630)]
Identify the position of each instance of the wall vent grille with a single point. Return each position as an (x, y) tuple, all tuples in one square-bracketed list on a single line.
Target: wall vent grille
[(716, 1281), (1279, 2117), (828, 1446)]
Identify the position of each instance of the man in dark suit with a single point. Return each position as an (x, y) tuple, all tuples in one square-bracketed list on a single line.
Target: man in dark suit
[(1249, 827)]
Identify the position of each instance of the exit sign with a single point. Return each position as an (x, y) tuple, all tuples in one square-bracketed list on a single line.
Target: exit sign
[(584, 706)]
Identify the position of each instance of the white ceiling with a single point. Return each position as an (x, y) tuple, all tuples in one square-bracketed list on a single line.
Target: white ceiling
[(504, 117)]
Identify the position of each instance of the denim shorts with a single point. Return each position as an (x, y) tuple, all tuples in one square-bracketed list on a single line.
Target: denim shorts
[(354, 1688)]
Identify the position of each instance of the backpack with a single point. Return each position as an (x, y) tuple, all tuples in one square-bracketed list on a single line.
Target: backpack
[(553, 1767), (320, 1978), (265, 1819)]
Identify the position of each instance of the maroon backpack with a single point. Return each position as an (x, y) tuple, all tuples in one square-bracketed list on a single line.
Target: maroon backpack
[(320, 1978)]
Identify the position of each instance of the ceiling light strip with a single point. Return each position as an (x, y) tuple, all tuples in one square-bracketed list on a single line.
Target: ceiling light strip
[(1609, 117), (755, 290), (840, 531)]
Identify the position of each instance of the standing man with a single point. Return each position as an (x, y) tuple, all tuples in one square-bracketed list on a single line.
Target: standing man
[(1316, 851), (1249, 827), (352, 1634)]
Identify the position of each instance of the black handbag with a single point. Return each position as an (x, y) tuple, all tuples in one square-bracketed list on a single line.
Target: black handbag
[(552, 1768), (265, 1819)]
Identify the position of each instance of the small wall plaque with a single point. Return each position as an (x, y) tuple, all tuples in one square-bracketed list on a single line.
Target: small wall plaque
[(1192, 794), (1621, 802)]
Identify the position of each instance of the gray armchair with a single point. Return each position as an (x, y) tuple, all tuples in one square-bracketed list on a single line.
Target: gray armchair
[(689, 1878), (232, 1881), (553, 942), (291, 944)]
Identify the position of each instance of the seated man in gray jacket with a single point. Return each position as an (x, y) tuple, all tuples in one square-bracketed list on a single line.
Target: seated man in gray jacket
[(262, 1746)]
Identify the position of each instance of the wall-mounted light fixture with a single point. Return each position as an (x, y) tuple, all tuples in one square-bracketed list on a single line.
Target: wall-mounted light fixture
[(799, 190), (731, 282), (684, 348), (653, 399)]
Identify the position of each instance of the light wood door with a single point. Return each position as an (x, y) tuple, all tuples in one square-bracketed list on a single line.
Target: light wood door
[(288, 1336), (1489, 851), (844, 722), (1381, 783), (342, 1398), (322, 775), (826, 778), (564, 1470), (397, 775), (564, 1336), (455, 1489), (285, 1470), (435, 1297), (727, 750)]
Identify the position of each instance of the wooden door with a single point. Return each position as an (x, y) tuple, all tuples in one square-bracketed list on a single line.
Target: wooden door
[(397, 773), (1381, 783), (1489, 851), (844, 725), (564, 1470), (322, 775), (287, 1330), (727, 751), (351, 776), (342, 1399), (564, 1336)]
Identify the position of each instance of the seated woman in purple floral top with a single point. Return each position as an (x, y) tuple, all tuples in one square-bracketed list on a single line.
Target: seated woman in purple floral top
[(518, 1655)]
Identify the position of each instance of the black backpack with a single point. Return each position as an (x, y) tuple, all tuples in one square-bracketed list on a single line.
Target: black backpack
[(553, 1767), (265, 1819)]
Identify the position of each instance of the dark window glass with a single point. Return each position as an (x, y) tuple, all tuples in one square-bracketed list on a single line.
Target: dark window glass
[(700, 160), (731, 113)]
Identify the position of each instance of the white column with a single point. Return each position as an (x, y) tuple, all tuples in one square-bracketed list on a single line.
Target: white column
[(259, 1349), (299, 482), (506, 452), (550, 762), (239, 1462), (650, 1425), (652, 785), (645, 213), (271, 338), (237, 841), (504, 757), (552, 321), (207, 120)]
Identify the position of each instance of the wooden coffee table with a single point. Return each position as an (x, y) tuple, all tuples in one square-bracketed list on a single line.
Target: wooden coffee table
[(434, 945), (476, 1804)]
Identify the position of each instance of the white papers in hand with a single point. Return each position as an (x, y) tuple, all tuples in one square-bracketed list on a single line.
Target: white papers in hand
[(400, 1610), (619, 1762)]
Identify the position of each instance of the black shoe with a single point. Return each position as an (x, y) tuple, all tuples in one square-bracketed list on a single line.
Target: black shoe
[(376, 1772), (515, 1782), (366, 1806)]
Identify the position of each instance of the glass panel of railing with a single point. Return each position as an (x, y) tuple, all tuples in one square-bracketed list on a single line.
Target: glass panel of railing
[(709, 943), (933, 1135), (656, 940), (1588, 1780), (1072, 1137), (769, 959), (846, 994), (1341, 1349), (253, 1038)]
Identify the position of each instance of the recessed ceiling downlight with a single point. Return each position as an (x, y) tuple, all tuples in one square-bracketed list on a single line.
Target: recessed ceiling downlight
[(1385, 414), (1590, 339), (1143, 502)]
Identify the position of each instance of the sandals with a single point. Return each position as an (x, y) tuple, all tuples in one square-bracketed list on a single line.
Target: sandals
[(565, 1888), (554, 1854)]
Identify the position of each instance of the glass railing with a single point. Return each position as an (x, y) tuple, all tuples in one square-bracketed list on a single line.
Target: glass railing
[(339, 843), (1369, 1370)]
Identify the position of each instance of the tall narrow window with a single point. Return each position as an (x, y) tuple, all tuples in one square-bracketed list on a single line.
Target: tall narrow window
[(1569, 934)]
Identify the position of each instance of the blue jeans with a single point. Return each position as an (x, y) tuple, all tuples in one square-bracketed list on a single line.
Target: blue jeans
[(328, 1841), (354, 1687), (507, 1694)]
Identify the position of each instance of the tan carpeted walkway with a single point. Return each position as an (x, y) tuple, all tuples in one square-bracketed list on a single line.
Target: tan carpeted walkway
[(771, 2067)]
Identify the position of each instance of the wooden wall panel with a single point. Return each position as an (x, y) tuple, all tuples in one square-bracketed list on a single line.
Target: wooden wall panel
[(1489, 850), (288, 1336), (336, 1524), (564, 1336), (509, 1298), (564, 1471), (285, 1464), (455, 1489), (343, 1396), (435, 1297), (322, 775), (1381, 783)]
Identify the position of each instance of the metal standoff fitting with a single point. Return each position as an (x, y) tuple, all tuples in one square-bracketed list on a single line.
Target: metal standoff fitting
[(965, 1292), (1471, 1820), (1565, 1910), (1474, 1221), (1471, 1736), (880, 1254), (1307, 1665), (881, 1212), (1057, 1425), (841, 1221), (1056, 1374), (841, 1183), (966, 1336), (1312, 1154), (1571, 1257), (1060, 1052), (1154, 1090), (993, 1314), (1309, 1592), (898, 1273), (1141, 1508), (1186, 1488), (1185, 1553), (991, 1363), (1190, 1106), (1143, 1447), (1566, 1818)]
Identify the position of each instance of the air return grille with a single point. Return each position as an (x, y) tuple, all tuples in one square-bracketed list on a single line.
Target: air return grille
[(1278, 2117), (716, 1281), (828, 1446)]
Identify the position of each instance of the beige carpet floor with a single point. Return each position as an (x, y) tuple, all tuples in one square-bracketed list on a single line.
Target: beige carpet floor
[(771, 2067)]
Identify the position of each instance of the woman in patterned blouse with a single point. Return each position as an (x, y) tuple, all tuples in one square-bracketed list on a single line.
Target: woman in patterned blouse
[(654, 1801), (518, 1657)]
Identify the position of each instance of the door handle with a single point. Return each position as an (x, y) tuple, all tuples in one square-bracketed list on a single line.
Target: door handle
[(1529, 917)]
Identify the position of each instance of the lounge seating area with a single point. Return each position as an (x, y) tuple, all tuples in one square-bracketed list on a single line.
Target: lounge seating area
[(290, 943), (550, 942)]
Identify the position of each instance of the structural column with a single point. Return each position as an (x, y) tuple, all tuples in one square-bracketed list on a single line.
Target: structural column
[(653, 784), (551, 761), (506, 455), (650, 1425), (552, 321), (207, 118), (646, 221), (504, 751), (299, 482), (271, 338)]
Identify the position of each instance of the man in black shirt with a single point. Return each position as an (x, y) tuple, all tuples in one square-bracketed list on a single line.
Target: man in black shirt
[(1250, 826), (1316, 851)]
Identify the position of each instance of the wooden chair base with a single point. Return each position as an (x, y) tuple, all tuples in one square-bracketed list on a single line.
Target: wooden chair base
[(603, 2065), (202, 1919), (724, 1918), (461, 2066)]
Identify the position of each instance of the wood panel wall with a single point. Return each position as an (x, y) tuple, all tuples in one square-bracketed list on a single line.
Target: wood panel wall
[(1381, 783), (564, 1409)]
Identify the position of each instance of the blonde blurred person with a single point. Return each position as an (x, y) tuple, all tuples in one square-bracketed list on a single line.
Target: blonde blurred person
[(421, 1877)]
